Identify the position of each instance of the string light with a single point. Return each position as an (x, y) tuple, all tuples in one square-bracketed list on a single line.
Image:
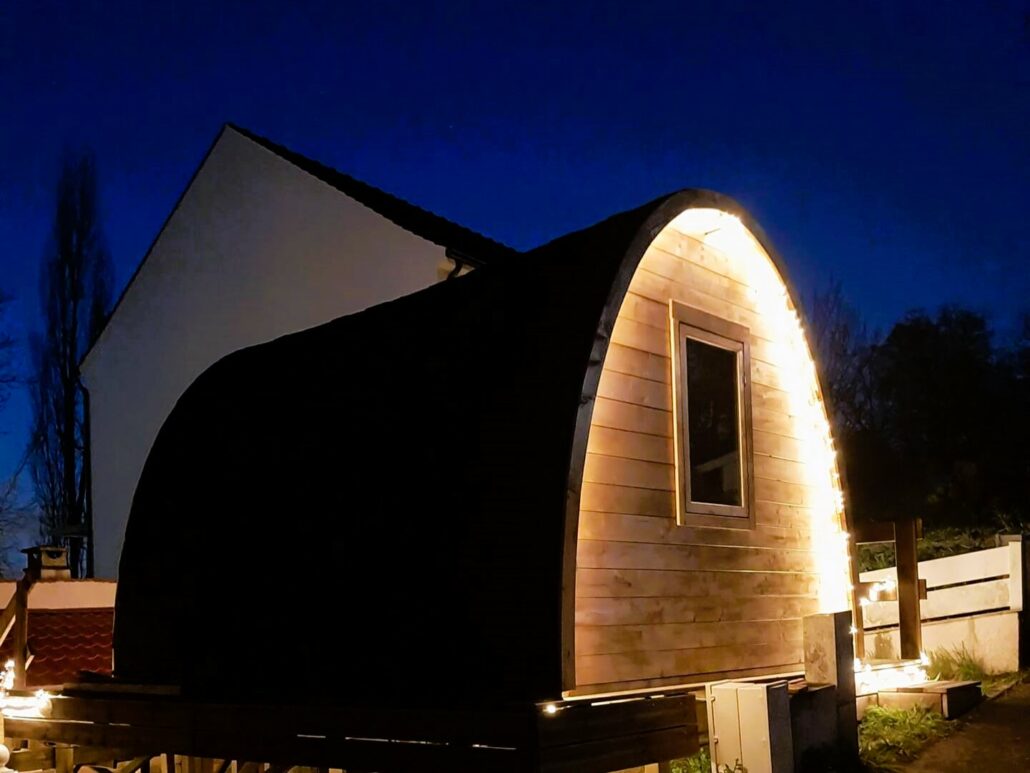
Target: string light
[(20, 705), (726, 234), (871, 679)]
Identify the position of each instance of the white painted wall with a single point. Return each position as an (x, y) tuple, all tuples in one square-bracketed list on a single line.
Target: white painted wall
[(64, 594), (993, 639), (256, 249)]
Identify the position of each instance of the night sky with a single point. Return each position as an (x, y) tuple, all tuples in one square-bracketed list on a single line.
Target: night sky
[(884, 145)]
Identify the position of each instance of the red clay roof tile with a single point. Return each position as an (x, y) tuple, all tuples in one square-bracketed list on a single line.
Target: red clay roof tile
[(64, 642)]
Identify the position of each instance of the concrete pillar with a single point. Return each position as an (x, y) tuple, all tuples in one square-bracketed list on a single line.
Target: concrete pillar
[(830, 659)]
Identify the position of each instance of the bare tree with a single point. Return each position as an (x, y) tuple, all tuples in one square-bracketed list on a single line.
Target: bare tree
[(7, 373), (842, 344), (12, 508), (75, 288)]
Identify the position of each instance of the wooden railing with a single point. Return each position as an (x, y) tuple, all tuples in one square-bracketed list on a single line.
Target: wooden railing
[(15, 616)]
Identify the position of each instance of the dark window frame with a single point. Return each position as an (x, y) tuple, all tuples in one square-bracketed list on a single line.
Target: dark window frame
[(687, 322)]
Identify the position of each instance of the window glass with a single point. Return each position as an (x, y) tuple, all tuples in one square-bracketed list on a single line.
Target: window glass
[(713, 424)]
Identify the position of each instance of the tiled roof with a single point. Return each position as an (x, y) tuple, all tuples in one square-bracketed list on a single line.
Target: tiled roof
[(64, 642)]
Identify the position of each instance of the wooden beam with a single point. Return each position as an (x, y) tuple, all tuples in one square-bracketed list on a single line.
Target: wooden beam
[(7, 618), (575, 736), (33, 759), (131, 766), (865, 588), (856, 608), (64, 759), (21, 630), (906, 534), (94, 756)]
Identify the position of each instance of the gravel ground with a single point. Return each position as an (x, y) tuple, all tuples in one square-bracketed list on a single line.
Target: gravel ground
[(995, 736)]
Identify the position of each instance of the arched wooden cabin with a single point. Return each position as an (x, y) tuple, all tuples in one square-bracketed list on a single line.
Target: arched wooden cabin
[(601, 465)]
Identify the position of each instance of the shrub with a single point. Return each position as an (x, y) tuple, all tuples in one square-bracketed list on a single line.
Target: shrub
[(702, 763), (890, 738), (935, 543)]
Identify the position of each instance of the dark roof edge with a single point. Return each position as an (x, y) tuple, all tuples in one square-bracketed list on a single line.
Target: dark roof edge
[(150, 249), (463, 241)]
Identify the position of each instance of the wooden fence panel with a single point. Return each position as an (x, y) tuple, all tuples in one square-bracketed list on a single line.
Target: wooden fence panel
[(974, 600)]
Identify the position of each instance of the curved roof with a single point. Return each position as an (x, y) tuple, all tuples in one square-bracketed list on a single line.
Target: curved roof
[(388, 501)]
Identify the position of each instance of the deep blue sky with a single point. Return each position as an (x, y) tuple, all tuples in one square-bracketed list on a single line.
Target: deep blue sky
[(883, 144)]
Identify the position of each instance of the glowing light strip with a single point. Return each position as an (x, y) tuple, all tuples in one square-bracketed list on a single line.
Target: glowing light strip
[(871, 679), (724, 233), (28, 706)]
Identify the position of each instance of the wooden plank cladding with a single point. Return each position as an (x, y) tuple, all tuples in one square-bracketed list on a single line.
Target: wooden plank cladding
[(616, 583), (683, 665), (659, 603), (689, 609)]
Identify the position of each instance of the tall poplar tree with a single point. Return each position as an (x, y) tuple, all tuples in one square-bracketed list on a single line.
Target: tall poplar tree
[(75, 286)]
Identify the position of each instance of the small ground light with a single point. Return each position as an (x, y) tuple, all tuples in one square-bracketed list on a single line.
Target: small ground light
[(550, 708)]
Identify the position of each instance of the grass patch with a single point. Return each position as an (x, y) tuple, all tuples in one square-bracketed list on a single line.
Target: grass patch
[(955, 664), (698, 763), (890, 738), (961, 665), (702, 763), (995, 684)]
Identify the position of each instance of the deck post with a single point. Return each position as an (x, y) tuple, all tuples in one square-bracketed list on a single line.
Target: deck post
[(910, 631), (21, 630), (830, 659)]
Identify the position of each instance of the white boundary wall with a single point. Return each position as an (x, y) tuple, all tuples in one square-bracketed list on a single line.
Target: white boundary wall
[(973, 600), (64, 594)]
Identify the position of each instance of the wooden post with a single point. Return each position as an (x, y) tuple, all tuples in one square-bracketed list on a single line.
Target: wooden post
[(857, 619), (1024, 614), (910, 631), (64, 758), (830, 659), (21, 631)]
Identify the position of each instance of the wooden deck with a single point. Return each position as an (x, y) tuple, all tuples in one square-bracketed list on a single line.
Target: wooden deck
[(575, 735)]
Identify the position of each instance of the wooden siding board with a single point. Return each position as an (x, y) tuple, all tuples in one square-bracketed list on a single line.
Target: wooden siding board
[(632, 610), (636, 418), (615, 639), (628, 472), (684, 663), (790, 668), (598, 554), (631, 389), (713, 584), (657, 601), (623, 527), (624, 359)]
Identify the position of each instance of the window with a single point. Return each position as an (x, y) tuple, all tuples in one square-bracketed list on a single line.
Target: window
[(712, 407)]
